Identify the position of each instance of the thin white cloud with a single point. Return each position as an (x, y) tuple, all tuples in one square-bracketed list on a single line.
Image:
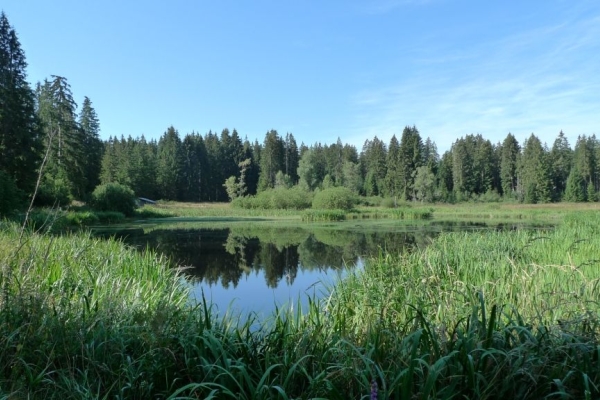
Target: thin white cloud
[(540, 81)]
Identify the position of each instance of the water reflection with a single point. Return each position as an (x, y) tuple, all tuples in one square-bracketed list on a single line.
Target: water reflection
[(260, 265)]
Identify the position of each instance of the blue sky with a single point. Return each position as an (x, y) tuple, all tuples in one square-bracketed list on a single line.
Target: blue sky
[(324, 69)]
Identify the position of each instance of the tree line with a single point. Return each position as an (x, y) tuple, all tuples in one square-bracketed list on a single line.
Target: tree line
[(43, 128)]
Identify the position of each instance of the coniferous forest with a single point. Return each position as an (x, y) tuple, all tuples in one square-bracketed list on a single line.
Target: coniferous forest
[(44, 126)]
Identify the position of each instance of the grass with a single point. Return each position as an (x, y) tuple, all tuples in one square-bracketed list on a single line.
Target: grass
[(474, 315)]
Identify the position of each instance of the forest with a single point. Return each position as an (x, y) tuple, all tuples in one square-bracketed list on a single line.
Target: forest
[(43, 128)]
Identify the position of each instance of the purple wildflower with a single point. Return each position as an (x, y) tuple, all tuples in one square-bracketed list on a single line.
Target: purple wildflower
[(373, 389)]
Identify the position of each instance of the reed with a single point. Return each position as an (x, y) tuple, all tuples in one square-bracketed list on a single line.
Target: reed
[(323, 215), (474, 315)]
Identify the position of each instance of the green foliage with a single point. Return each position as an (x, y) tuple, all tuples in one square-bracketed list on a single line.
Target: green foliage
[(294, 198), (535, 174), (424, 184), (65, 139), (114, 197), (575, 187), (54, 191), (10, 198), (323, 215), (472, 315), (231, 187), (389, 202), (81, 218), (92, 145), (21, 139), (272, 160), (336, 198)]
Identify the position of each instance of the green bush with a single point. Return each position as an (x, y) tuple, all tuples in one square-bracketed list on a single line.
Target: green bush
[(82, 218), (114, 197), (337, 198), (53, 192), (11, 196), (109, 217), (280, 198)]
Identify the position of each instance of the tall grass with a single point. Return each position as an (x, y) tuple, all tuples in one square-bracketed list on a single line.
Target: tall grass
[(479, 315)]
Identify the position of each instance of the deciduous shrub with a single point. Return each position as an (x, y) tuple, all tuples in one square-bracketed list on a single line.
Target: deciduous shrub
[(114, 197), (281, 198), (337, 198)]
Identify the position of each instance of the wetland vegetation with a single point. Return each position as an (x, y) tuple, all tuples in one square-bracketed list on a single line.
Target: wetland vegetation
[(488, 314), (506, 312)]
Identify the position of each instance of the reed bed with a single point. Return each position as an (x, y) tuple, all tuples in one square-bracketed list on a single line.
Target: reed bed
[(323, 215), (490, 315), (404, 213)]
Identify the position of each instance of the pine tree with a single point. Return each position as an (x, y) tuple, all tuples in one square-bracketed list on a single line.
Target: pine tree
[(561, 159), (21, 140), (92, 145), (392, 178), (575, 190), (483, 160), (194, 167), (272, 160), (445, 177), (534, 171), (373, 159), (463, 171), (57, 112), (169, 165), (292, 158), (508, 165), (410, 158)]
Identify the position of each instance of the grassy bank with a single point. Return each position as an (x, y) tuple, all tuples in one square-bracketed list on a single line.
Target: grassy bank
[(474, 315)]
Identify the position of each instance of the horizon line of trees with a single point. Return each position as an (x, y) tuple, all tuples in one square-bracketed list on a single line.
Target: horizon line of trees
[(44, 128)]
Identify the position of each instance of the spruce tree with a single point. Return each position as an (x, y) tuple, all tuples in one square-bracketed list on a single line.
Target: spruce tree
[(92, 145), (392, 178), (410, 158), (57, 112), (272, 160), (535, 174), (508, 165), (169, 165), (561, 159), (21, 140)]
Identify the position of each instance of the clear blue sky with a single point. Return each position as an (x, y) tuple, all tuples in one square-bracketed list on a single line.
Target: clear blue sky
[(324, 69)]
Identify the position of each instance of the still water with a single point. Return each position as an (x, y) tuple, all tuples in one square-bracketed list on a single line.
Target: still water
[(256, 266)]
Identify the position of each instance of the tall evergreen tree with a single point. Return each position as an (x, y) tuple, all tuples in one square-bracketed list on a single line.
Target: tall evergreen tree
[(445, 177), (21, 140), (534, 172), (584, 159), (484, 165), (509, 155), (194, 166), (561, 160), (410, 158), (92, 145), (272, 160), (464, 174), (292, 158), (393, 184), (57, 111), (169, 165), (373, 158)]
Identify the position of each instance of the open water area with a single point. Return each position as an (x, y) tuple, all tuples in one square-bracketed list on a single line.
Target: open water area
[(256, 266)]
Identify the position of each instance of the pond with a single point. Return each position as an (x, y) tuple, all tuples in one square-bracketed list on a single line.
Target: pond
[(254, 266)]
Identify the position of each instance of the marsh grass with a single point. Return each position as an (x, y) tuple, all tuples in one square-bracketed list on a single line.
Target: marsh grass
[(403, 213), (491, 315), (323, 215)]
